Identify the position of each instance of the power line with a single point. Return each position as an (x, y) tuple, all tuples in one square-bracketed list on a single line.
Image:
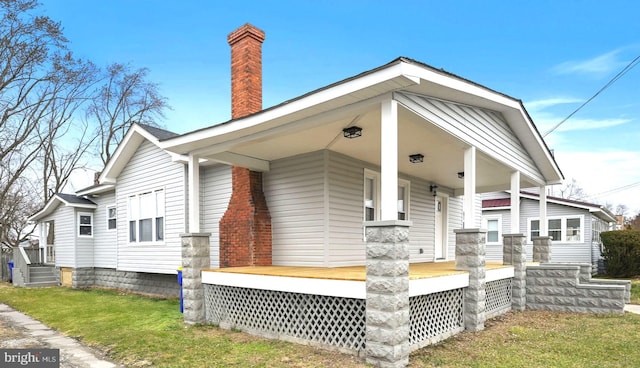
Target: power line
[(619, 189), (629, 66)]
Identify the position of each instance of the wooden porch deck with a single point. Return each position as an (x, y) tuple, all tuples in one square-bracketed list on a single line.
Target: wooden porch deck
[(351, 273)]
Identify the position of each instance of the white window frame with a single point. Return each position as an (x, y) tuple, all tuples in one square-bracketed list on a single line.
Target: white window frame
[(113, 206), (406, 185), (563, 228), (485, 225), (371, 175), (135, 215), (90, 225), (375, 176)]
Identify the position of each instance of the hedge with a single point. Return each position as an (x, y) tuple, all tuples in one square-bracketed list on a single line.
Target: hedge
[(621, 253)]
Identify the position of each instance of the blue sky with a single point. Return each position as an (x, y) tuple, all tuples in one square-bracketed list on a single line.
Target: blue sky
[(553, 55)]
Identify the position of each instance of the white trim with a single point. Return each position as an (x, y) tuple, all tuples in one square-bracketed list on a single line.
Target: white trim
[(469, 199), (563, 228), (485, 225), (406, 184), (109, 218), (130, 218), (338, 288), (437, 284), (499, 274), (79, 224)]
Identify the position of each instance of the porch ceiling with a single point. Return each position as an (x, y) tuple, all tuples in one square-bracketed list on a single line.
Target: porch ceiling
[(443, 152)]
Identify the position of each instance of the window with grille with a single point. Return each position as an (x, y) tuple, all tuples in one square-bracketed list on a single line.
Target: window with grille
[(85, 224)]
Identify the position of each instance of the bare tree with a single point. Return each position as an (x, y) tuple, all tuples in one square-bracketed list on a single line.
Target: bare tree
[(39, 80), (125, 98), (572, 190)]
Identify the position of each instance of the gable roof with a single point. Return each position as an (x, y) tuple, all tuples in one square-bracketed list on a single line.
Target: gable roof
[(69, 200), (136, 134), (355, 94), (598, 210)]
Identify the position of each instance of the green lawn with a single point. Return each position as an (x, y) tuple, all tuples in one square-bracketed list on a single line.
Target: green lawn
[(139, 331), (635, 291)]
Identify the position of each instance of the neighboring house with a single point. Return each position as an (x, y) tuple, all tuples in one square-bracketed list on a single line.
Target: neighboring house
[(275, 213), (574, 226)]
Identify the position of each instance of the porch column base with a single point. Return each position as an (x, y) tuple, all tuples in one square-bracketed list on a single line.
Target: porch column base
[(387, 304), (195, 258), (542, 249), (470, 256), (515, 254)]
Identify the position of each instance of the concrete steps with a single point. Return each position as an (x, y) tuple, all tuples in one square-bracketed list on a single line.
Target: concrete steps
[(42, 276)]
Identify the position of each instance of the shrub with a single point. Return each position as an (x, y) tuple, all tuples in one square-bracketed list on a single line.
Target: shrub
[(621, 252)]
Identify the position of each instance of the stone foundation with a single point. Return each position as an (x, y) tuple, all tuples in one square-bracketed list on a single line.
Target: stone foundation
[(139, 282)]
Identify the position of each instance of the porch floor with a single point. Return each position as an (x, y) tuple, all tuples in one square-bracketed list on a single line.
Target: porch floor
[(352, 273)]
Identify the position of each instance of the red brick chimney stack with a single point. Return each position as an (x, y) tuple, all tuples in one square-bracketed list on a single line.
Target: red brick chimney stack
[(246, 70), (245, 228)]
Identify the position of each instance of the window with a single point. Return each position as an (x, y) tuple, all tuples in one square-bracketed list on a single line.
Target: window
[(403, 200), (85, 224), (493, 224), (372, 197), (111, 217), (560, 229), (146, 217)]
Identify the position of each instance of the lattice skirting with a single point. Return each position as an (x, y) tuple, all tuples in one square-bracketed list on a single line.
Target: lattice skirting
[(434, 317), (321, 320), (326, 321), (498, 297)]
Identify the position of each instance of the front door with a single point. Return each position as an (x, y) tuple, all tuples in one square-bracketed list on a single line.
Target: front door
[(440, 232)]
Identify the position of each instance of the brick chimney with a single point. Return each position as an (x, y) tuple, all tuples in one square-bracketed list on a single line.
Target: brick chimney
[(245, 228)]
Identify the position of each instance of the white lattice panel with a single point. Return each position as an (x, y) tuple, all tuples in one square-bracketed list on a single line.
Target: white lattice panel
[(498, 297), (326, 320), (435, 315)]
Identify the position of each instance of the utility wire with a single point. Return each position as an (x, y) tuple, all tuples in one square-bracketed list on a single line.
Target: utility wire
[(619, 189), (629, 66)]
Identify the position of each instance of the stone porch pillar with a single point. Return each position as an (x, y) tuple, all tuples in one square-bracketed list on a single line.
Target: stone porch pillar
[(515, 254), (542, 249), (470, 256), (387, 304), (195, 258)]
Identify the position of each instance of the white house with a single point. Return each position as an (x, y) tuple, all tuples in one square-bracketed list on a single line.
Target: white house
[(275, 213), (574, 226)]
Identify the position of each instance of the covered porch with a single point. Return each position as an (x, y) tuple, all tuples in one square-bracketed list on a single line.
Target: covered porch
[(328, 306)]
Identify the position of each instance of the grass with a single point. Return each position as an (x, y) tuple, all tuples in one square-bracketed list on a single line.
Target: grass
[(140, 331), (635, 291)]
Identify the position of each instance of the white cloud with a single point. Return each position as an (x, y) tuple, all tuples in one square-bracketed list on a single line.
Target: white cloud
[(538, 105), (546, 120), (599, 65), (600, 172)]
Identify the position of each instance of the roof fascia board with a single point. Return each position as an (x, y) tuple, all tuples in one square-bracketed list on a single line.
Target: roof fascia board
[(458, 84), (135, 134), (324, 95), (96, 189)]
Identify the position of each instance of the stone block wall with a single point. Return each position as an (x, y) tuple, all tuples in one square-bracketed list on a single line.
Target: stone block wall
[(557, 287), (139, 282)]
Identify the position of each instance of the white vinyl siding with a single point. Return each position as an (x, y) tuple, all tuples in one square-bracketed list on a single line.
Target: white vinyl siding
[(151, 168), (346, 209), (64, 235), (215, 193), (484, 129), (560, 251), (84, 244), (104, 241), (316, 202), (295, 191)]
